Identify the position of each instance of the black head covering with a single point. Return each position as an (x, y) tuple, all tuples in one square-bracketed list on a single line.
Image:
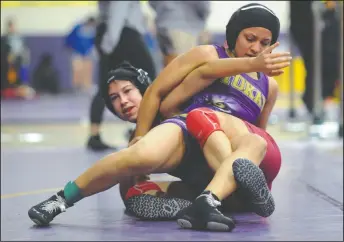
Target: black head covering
[(251, 15), (124, 71)]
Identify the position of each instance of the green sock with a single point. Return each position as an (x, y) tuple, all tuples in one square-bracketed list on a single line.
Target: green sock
[(72, 193)]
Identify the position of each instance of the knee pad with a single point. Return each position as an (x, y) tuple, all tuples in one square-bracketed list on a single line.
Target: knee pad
[(201, 123), (141, 188)]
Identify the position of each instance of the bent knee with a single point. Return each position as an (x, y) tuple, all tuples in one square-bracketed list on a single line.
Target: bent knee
[(259, 143), (256, 144)]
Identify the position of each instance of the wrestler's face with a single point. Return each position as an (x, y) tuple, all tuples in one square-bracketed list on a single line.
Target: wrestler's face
[(252, 41), (126, 99)]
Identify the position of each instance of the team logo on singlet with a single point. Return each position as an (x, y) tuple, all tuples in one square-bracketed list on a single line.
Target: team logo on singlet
[(245, 87)]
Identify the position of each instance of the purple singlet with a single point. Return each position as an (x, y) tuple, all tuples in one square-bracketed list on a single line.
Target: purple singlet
[(240, 95)]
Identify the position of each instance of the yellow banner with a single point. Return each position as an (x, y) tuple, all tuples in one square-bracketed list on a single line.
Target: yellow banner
[(13, 4)]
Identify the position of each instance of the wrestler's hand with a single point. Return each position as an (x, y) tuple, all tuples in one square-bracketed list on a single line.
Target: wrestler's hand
[(134, 140), (271, 63)]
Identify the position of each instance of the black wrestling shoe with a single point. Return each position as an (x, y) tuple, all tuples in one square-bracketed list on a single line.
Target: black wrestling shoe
[(204, 215), (149, 207), (252, 182), (96, 144), (43, 213)]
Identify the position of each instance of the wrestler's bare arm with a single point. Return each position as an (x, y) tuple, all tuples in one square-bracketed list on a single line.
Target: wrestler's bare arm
[(168, 79), (202, 77), (269, 105), (206, 74)]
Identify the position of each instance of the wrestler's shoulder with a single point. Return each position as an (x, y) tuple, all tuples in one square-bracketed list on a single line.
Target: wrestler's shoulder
[(273, 85), (208, 51)]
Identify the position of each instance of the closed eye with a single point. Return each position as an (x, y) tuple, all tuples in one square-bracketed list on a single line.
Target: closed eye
[(251, 39), (266, 42)]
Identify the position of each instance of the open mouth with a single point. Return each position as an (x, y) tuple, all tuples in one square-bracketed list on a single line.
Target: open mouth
[(128, 110)]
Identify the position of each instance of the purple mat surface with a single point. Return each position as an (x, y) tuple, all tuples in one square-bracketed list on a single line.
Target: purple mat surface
[(308, 194)]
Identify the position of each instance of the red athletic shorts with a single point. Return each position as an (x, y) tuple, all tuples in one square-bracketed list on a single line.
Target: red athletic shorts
[(271, 163)]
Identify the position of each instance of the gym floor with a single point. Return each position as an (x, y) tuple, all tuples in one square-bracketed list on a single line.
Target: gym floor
[(43, 147)]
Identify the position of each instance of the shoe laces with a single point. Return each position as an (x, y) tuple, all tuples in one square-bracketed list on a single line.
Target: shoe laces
[(52, 206), (211, 201)]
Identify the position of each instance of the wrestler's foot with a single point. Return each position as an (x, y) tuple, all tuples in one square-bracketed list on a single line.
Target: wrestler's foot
[(96, 144), (203, 215), (43, 213), (151, 207), (251, 180)]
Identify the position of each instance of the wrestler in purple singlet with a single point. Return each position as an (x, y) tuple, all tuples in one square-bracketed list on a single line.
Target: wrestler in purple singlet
[(240, 96)]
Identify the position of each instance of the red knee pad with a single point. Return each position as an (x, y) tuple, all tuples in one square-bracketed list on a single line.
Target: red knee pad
[(141, 188), (201, 123)]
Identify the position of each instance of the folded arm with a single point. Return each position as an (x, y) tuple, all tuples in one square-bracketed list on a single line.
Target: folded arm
[(201, 78), (166, 81)]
